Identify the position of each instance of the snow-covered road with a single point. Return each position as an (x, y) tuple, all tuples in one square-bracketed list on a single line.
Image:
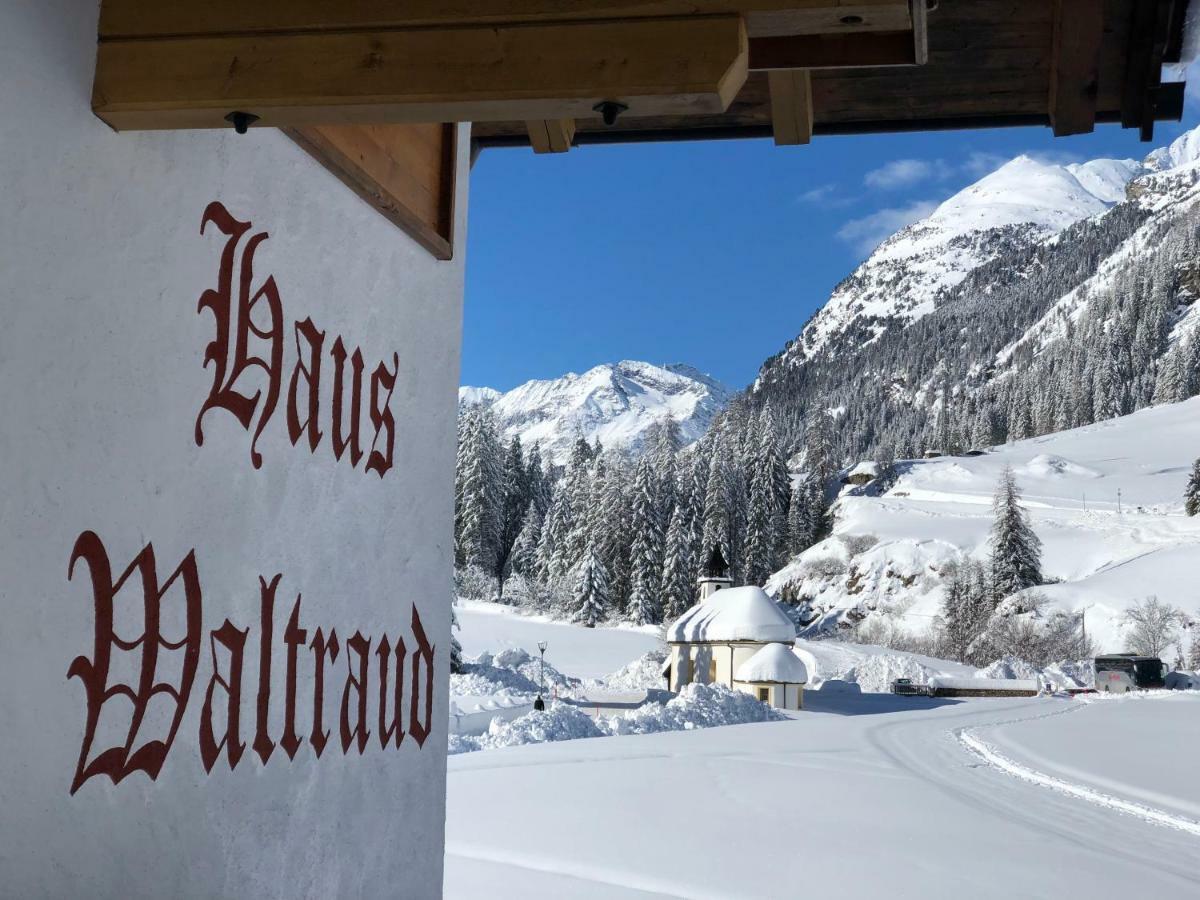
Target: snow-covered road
[(859, 797)]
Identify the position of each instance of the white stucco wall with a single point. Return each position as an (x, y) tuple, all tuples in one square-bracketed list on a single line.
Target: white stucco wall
[(728, 657), (102, 377)]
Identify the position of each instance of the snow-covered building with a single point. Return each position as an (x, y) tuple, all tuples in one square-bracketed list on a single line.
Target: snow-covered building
[(720, 641), (864, 473), (774, 675)]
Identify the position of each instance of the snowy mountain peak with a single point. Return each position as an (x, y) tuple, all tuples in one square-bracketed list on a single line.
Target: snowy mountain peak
[(615, 403), (1181, 152), (476, 396), (1025, 200)]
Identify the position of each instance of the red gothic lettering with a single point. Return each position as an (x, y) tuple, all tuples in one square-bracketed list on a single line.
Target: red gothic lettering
[(234, 640), (311, 373), (294, 637), (381, 416), (340, 442), (318, 737), (224, 393), (263, 745), (356, 684), (396, 728), (420, 730), (118, 762)]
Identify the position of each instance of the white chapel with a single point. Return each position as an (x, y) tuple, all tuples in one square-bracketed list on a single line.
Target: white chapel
[(737, 637)]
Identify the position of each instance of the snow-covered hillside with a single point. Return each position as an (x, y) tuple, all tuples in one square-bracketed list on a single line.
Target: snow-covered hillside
[(1106, 501), (613, 403)]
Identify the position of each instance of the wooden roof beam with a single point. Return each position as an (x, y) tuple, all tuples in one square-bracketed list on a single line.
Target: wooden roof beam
[(1075, 65), (528, 72), (791, 106), (552, 135), (125, 19)]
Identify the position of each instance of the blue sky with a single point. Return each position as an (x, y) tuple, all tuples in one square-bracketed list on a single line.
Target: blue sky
[(710, 253)]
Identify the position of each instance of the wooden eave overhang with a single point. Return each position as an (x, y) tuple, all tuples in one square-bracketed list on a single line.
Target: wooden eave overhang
[(366, 86)]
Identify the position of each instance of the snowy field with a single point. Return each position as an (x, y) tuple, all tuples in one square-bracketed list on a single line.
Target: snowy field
[(1106, 501), (861, 795), (583, 653), (867, 796)]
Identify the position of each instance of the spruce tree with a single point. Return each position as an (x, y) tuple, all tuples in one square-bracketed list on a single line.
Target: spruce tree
[(760, 530), (646, 564), (1191, 495), (1016, 550), (966, 609), (678, 583), (480, 493), (799, 521), (818, 445), (590, 595)]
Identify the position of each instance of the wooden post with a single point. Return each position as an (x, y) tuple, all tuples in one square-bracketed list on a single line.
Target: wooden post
[(791, 105)]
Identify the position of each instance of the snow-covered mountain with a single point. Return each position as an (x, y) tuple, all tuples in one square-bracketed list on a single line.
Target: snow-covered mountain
[(613, 403), (1024, 201)]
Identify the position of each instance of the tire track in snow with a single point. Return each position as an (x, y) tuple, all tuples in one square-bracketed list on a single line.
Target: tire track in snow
[(997, 760)]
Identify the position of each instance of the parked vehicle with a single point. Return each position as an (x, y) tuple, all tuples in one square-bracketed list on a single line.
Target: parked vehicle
[(1118, 673)]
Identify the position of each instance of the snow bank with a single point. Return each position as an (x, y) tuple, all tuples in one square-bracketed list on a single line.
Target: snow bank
[(507, 673), (985, 684), (696, 706), (642, 674), (1063, 675), (871, 668)]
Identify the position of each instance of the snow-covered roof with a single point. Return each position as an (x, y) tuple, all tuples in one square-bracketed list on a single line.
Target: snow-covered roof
[(866, 467), (774, 662), (734, 614)]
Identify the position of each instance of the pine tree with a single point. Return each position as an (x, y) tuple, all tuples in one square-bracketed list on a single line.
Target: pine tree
[(966, 609), (1191, 495), (1194, 649), (799, 521), (677, 578), (590, 595), (716, 527), (818, 445), (456, 660), (645, 606), (479, 494), (760, 530), (1016, 550)]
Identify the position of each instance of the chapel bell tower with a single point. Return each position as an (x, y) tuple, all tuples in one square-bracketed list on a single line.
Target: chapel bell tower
[(715, 575)]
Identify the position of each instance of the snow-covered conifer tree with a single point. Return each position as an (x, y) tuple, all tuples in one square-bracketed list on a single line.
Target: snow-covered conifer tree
[(1016, 550), (1191, 495), (590, 595), (678, 583), (646, 564), (818, 445), (479, 494)]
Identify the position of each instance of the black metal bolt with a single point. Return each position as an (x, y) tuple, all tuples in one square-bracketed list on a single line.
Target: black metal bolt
[(241, 121), (609, 110)]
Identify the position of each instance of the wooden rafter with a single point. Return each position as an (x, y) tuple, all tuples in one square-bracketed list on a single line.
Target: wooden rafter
[(526, 72), (1075, 65), (121, 19)]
